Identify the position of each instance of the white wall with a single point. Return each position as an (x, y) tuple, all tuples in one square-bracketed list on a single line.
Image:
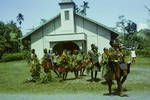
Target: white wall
[(67, 25), (95, 34), (37, 43), (53, 27), (103, 39)]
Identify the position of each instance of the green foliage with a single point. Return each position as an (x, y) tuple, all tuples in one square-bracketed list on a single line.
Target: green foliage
[(126, 52), (145, 35), (132, 40), (9, 38), (129, 37), (143, 52), (126, 26), (15, 56), (139, 40), (12, 57)]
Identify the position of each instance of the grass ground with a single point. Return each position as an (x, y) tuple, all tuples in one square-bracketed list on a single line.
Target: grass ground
[(14, 74)]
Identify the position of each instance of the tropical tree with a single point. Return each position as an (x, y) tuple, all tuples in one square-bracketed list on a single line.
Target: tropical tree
[(128, 29), (121, 24), (2, 39), (131, 27), (84, 7), (9, 37), (15, 36), (20, 19), (126, 26), (145, 35)]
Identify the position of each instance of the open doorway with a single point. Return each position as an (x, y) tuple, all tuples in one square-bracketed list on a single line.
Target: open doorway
[(69, 46)]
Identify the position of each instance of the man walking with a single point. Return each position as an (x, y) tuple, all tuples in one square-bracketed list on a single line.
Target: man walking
[(94, 57)]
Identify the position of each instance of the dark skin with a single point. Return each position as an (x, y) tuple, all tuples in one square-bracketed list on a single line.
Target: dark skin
[(120, 77), (94, 49)]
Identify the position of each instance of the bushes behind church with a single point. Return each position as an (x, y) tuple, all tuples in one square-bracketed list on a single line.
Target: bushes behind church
[(14, 56), (143, 52)]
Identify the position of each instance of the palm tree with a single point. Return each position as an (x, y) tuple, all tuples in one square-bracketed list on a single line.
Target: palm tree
[(20, 19), (84, 7)]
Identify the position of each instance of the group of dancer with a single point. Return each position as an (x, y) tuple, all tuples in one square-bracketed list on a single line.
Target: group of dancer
[(77, 61)]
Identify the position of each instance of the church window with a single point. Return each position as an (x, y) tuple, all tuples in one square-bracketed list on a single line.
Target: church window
[(66, 15)]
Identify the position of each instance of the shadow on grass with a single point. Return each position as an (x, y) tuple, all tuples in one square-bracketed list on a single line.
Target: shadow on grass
[(124, 90), (68, 79), (83, 75), (29, 81), (71, 79), (94, 80), (105, 82), (115, 93)]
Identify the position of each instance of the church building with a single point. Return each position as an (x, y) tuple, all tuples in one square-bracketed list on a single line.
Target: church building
[(71, 31)]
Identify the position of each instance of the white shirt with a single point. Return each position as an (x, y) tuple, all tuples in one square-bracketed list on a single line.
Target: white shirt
[(133, 53)]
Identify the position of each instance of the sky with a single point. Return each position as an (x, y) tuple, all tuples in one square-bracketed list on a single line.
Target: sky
[(103, 11)]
